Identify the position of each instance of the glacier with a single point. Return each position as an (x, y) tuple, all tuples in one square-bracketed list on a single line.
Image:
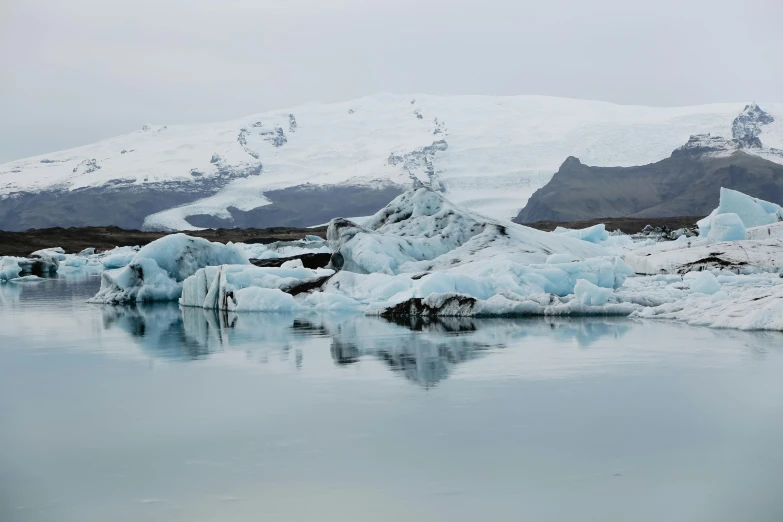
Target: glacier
[(192, 176)]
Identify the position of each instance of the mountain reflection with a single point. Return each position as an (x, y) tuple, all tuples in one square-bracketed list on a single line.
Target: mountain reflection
[(424, 350)]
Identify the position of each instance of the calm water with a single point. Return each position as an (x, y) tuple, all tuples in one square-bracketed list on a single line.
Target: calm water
[(160, 414)]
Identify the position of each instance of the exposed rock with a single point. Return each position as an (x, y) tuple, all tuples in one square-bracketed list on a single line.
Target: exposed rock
[(700, 144), (87, 166), (442, 305), (318, 260), (276, 137), (420, 164), (746, 127), (685, 184), (291, 123)]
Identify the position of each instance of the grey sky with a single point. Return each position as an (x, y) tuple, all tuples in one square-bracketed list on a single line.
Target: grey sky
[(76, 71)]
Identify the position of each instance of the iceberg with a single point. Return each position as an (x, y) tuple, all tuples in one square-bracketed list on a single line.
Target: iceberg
[(726, 227), (157, 271), (10, 267), (420, 253), (238, 288), (421, 231), (594, 234), (425, 256), (40, 263), (753, 212)]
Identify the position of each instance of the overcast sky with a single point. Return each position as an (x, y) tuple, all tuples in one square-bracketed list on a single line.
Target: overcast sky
[(76, 71)]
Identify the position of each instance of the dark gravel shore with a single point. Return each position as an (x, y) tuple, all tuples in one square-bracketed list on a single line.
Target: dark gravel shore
[(627, 225), (104, 238)]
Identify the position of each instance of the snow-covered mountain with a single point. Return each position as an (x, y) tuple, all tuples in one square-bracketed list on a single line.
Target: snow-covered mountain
[(305, 165)]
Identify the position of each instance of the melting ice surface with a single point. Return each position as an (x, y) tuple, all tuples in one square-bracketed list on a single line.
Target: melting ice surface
[(157, 413)]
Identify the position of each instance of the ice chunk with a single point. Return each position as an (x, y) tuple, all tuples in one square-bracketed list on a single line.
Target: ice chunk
[(774, 230), (703, 282), (747, 257), (751, 305), (46, 261), (119, 257), (422, 231), (589, 294), (9, 268), (752, 211), (726, 227), (157, 271), (560, 258), (224, 287), (594, 234), (254, 299)]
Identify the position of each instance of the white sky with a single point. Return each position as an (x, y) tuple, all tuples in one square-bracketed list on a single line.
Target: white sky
[(75, 71)]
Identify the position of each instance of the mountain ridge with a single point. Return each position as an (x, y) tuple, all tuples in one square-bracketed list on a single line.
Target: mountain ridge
[(487, 153)]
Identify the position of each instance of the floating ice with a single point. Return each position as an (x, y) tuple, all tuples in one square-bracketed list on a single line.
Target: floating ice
[(157, 271), (594, 234), (421, 231), (589, 294), (703, 282), (238, 287), (726, 227), (10, 268), (752, 211)]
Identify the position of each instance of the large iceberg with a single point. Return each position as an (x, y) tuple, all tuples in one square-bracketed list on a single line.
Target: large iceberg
[(242, 288), (420, 231), (157, 271), (424, 255), (753, 212)]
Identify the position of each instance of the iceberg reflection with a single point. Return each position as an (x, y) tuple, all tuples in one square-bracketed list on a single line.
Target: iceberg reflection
[(424, 350)]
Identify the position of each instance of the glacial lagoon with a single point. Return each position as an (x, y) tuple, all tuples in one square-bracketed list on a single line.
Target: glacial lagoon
[(161, 413)]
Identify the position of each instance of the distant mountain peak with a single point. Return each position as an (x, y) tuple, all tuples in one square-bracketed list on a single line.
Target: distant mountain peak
[(746, 128), (699, 144)]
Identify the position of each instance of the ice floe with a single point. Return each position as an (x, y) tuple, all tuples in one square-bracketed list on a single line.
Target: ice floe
[(157, 271), (425, 256), (753, 212)]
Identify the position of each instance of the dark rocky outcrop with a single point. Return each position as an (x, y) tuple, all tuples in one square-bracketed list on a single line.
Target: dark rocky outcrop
[(74, 240), (686, 184), (317, 260), (119, 202)]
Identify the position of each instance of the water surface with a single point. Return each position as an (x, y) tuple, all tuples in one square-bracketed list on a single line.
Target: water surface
[(155, 413)]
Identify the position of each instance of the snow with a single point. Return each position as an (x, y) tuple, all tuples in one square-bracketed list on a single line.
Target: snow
[(500, 149), (726, 227), (157, 270)]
